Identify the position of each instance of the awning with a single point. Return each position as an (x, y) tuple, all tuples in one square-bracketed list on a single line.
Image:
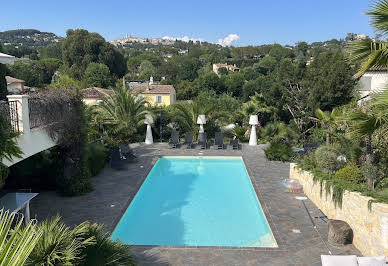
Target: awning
[(7, 59)]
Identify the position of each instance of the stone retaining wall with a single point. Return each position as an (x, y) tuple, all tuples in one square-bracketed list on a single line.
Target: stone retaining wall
[(370, 227)]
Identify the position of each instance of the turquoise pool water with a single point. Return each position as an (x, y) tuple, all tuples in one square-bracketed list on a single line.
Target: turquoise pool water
[(196, 201)]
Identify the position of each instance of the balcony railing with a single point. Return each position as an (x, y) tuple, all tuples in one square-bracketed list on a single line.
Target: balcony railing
[(9, 111)]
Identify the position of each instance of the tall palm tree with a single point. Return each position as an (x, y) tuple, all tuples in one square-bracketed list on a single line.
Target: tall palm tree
[(18, 241), (364, 122), (328, 120), (122, 114), (372, 53)]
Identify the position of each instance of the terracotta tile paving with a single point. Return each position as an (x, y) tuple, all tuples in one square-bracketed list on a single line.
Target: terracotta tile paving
[(115, 189)]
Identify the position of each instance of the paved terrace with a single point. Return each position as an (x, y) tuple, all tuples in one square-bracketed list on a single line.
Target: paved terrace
[(115, 189)]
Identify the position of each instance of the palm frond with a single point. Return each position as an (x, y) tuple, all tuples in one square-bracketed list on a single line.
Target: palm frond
[(379, 16), (371, 54), (16, 243)]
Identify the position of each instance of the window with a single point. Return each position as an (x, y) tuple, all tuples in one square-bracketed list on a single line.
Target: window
[(158, 99)]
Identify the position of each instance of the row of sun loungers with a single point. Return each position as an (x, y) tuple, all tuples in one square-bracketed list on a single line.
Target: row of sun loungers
[(203, 141)]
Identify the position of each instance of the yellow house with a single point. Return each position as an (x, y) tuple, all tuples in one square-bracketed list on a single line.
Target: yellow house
[(156, 94)]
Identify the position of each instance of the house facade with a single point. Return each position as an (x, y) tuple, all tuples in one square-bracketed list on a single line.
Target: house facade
[(94, 95), (14, 85), (232, 68), (155, 94), (372, 82)]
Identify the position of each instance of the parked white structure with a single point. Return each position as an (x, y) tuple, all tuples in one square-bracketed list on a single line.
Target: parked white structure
[(372, 82), (149, 121), (254, 121)]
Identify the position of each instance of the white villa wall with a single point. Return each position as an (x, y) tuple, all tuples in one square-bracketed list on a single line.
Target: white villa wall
[(378, 83), (35, 141)]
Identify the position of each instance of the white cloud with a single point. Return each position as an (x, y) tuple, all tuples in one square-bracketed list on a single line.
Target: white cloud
[(227, 41), (184, 39)]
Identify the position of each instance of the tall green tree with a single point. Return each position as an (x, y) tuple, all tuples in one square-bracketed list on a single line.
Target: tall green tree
[(329, 81), (97, 75), (80, 48)]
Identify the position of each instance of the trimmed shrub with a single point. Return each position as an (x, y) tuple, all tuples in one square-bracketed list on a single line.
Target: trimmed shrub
[(326, 159), (351, 174), (279, 152), (97, 156)]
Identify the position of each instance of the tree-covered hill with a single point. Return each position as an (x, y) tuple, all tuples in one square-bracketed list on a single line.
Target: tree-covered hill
[(28, 37)]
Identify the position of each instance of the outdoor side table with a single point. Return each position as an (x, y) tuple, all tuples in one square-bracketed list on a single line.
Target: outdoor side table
[(16, 201)]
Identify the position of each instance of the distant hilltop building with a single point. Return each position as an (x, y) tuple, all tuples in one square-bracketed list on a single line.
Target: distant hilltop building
[(131, 39), (232, 68)]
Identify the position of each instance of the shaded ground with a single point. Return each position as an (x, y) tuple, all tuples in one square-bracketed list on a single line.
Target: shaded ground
[(115, 189)]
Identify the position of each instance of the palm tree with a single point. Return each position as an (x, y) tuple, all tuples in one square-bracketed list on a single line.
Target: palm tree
[(328, 120), (122, 114), (59, 244), (186, 114), (372, 53), (16, 243), (364, 122)]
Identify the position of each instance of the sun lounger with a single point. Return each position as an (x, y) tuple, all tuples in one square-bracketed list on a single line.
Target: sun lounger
[(235, 144), (219, 140), (202, 140), (174, 140), (189, 139)]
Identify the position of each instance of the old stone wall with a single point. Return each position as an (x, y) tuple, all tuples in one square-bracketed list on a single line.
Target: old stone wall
[(370, 227)]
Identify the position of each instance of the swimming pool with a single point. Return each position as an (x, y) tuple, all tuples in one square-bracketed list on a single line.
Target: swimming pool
[(196, 201)]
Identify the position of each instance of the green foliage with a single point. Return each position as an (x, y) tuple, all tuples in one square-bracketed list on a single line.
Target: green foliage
[(97, 75), (239, 132), (8, 147), (80, 48), (17, 241), (351, 174), (234, 83), (278, 133), (330, 83), (59, 244), (97, 156), (122, 114), (63, 81), (105, 251), (326, 158), (279, 152)]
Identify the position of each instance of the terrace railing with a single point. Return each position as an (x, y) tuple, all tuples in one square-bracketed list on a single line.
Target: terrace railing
[(9, 111)]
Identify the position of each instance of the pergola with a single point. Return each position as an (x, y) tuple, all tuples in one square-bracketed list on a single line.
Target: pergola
[(6, 59)]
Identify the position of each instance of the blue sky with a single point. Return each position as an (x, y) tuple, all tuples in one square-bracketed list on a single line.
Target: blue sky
[(255, 22)]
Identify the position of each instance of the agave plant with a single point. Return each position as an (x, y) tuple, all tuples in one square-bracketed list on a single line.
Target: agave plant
[(59, 244), (372, 53), (16, 242), (105, 251), (122, 113)]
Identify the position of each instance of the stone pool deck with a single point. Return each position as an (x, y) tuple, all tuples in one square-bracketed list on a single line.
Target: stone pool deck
[(298, 242)]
